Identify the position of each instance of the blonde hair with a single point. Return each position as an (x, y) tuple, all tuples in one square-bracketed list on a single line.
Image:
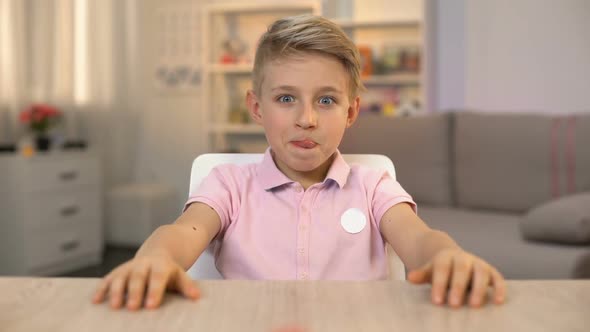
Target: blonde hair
[(307, 33)]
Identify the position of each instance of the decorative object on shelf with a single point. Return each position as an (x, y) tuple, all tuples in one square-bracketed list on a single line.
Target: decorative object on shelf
[(237, 112), (408, 108), (237, 115), (7, 148), (40, 118), (177, 48), (382, 100), (234, 50), (396, 59), (75, 145), (178, 77), (391, 61), (411, 59), (366, 60)]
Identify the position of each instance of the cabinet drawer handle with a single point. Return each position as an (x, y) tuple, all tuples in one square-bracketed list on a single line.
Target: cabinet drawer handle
[(69, 211), (68, 176), (70, 245)]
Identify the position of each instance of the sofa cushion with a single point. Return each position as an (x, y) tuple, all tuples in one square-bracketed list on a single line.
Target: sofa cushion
[(502, 160), (496, 238), (564, 220), (418, 147)]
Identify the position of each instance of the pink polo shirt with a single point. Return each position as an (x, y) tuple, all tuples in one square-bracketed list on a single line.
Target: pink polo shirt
[(272, 229)]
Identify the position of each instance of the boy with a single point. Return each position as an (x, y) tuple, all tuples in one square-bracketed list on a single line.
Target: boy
[(303, 212)]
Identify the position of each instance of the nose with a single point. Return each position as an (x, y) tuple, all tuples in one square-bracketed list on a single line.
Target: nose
[(307, 117)]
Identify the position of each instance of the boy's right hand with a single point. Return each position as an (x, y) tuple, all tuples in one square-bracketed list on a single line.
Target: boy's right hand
[(146, 277)]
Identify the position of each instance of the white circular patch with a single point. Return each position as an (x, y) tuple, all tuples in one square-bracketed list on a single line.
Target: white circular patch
[(353, 220)]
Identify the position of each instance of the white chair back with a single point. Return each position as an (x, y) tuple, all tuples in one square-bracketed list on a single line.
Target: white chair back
[(204, 267)]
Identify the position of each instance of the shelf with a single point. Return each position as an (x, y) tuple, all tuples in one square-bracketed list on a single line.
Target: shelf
[(237, 129), (393, 79), (262, 7), (230, 69), (223, 81), (350, 24)]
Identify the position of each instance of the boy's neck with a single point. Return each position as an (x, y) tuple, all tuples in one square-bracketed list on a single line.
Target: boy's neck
[(309, 178)]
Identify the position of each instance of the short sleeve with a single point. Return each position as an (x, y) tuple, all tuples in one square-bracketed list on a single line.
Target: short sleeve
[(220, 191), (388, 192)]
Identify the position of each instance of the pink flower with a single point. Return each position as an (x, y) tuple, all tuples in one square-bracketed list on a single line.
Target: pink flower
[(25, 117), (40, 117)]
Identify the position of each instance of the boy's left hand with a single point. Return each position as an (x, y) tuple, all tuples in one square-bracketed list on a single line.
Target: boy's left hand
[(457, 272)]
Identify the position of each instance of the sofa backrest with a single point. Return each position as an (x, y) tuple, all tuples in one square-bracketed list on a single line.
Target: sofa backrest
[(515, 161), (418, 146)]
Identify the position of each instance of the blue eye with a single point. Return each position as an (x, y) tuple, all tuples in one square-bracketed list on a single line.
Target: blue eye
[(327, 101), (286, 99)]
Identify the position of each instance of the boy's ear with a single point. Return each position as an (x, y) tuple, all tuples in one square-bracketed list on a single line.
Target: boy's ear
[(253, 106), (353, 111)]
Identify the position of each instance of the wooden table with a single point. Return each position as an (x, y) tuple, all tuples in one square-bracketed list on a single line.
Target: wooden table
[(56, 304)]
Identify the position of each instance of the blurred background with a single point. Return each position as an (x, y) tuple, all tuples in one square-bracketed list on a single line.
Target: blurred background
[(105, 103)]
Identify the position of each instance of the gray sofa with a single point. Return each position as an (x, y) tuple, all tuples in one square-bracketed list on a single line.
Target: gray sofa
[(485, 178)]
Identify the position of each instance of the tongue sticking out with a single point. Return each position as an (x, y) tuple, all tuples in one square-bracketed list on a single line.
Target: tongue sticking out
[(307, 144)]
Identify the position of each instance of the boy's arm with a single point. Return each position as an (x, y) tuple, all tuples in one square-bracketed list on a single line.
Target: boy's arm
[(161, 262), (411, 238), (186, 239), (433, 257)]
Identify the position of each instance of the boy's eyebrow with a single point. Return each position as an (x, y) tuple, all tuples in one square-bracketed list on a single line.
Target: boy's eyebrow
[(322, 89), (284, 87), (330, 89)]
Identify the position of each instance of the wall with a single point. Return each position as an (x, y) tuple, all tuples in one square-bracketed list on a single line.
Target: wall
[(446, 54), (513, 55), (171, 133), (528, 54)]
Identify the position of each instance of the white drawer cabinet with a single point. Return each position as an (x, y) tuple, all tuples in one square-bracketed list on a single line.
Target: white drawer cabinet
[(50, 213)]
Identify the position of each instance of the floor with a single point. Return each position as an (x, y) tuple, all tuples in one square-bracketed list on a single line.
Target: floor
[(112, 257)]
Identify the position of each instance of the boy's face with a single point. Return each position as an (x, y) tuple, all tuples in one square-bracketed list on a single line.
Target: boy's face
[(304, 106)]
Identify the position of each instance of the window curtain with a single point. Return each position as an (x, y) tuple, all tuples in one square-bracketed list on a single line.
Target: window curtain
[(12, 65), (58, 52)]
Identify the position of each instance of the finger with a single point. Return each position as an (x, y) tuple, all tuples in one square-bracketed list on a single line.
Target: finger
[(499, 285), (421, 275), (460, 278), (136, 288), (101, 290), (157, 284), (440, 278), (118, 288), (185, 285), (479, 285), (104, 287)]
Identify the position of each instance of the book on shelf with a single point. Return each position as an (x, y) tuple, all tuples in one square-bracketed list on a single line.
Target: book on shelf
[(366, 54)]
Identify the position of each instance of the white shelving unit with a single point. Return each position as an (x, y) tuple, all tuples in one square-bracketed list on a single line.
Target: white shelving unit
[(393, 79), (230, 68), (406, 87), (378, 23), (246, 22)]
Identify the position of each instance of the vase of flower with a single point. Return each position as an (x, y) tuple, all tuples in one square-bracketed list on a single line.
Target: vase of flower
[(40, 118), (42, 143)]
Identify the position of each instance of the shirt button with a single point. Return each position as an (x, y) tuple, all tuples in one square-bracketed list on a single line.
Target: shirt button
[(302, 227), (298, 189), (301, 250), (303, 276)]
